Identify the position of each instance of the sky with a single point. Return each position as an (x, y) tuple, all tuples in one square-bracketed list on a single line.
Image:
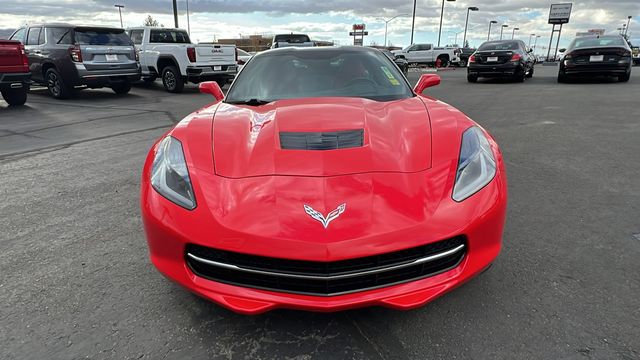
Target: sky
[(332, 19)]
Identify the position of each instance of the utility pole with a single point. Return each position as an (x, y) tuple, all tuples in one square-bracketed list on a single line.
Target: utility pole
[(120, 12), (386, 22), (175, 13), (530, 39), (188, 23)]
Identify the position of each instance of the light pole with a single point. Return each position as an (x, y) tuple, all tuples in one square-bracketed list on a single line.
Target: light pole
[(513, 34), (175, 13), (628, 23), (188, 24), (502, 29), (413, 21), (489, 34), (530, 39), (464, 39), (441, 15), (386, 22), (535, 46), (119, 12)]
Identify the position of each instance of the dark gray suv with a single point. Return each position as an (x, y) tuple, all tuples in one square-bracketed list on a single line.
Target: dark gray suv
[(64, 57)]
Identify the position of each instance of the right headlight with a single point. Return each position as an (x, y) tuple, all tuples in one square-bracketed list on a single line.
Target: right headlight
[(170, 176), (476, 166)]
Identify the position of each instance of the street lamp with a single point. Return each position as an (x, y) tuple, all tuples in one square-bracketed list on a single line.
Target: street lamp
[(119, 12), (530, 39), (513, 34), (441, 15), (464, 39), (188, 23), (413, 21), (535, 46), (386, 22), (489, 34), (628, 23), (502, 29)]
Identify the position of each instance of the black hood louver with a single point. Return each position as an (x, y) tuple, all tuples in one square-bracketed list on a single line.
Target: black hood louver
[(322, 140)]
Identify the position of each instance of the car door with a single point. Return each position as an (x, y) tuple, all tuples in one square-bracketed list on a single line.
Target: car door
[(33, 48), (426, 53), (411, 53)]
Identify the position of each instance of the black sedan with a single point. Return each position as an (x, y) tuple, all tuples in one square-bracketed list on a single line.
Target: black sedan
[(401, 62), (608, 55), (502, 58)]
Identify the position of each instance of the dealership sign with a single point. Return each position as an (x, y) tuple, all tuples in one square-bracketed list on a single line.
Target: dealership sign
[(560, 13)]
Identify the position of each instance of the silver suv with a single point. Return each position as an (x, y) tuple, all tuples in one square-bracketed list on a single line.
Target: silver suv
[(64, 57)]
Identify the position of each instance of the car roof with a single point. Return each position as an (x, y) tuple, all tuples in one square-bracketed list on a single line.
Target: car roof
[(63, 24), (336, 49)]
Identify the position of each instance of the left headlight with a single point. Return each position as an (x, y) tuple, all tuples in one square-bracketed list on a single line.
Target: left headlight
[(170, 176), (476, 166)]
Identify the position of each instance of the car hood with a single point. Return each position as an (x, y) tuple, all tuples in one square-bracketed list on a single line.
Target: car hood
[(248, 140)]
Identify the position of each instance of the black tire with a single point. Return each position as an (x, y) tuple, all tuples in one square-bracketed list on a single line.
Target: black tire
[(221, 82), (625, 77), (472, 78), (562, 77), (444, 61), (519, 76), (15, 97), (56, 85), (530, 73), (462, 63), (172, 80), (121, 88), (150, 79)]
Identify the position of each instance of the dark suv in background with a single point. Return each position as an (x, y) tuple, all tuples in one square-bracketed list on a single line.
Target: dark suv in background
[(64, 57)]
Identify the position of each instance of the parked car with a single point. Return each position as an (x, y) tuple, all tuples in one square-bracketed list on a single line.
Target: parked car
[(501, 58), (242, 57), (14, 72), (64, 57), (427, 54), (608, 55), (323, 182), (635, 50), (169, 54), (289, 40), (400, 62), (463, 55)]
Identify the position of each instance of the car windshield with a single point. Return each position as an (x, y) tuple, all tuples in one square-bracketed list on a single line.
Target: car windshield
[(292, 38), (587, 42), (499, 45), (98, 36), (316, 72)]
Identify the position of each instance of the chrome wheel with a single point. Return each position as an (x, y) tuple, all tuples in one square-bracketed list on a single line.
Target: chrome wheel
[(53, 83), (170, 79)]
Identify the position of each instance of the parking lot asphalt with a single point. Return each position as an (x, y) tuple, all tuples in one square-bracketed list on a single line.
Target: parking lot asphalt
[(76, 281)]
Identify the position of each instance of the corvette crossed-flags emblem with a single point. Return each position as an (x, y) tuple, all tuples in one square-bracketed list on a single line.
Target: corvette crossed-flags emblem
[(330, 216)]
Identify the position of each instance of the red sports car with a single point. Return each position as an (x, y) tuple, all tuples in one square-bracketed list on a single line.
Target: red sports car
[(323, 182)]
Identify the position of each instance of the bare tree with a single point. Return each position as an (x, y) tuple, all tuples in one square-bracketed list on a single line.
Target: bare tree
[(150, 21)]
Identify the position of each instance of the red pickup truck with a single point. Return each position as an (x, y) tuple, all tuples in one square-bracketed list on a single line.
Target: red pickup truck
[(14, 72)]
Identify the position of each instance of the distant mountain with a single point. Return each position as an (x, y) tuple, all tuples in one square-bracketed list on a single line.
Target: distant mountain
[(5, 33)]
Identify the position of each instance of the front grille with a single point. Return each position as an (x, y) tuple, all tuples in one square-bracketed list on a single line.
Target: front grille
[(325, 278), (321, 140)]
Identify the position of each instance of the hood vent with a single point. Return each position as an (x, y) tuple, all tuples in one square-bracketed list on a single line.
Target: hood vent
[(321, 140)]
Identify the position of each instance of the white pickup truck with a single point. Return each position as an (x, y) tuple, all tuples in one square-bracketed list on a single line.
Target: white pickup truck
[(169, 54), (427, 54)]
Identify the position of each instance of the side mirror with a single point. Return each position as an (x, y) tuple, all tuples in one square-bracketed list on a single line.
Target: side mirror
[(212, 87), (426, 81), (562, 50)]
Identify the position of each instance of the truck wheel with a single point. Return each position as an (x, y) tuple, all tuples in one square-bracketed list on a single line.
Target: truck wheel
[(56, 85), (121, 88), (221, 82), (172, 80), (444, 61), (15, 97)]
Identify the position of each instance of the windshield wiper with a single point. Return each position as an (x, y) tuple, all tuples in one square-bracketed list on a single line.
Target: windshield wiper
[(250, 102)]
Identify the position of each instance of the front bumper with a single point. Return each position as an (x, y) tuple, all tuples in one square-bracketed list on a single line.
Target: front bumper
[(14, 81), (494, 70), (169, 229)]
